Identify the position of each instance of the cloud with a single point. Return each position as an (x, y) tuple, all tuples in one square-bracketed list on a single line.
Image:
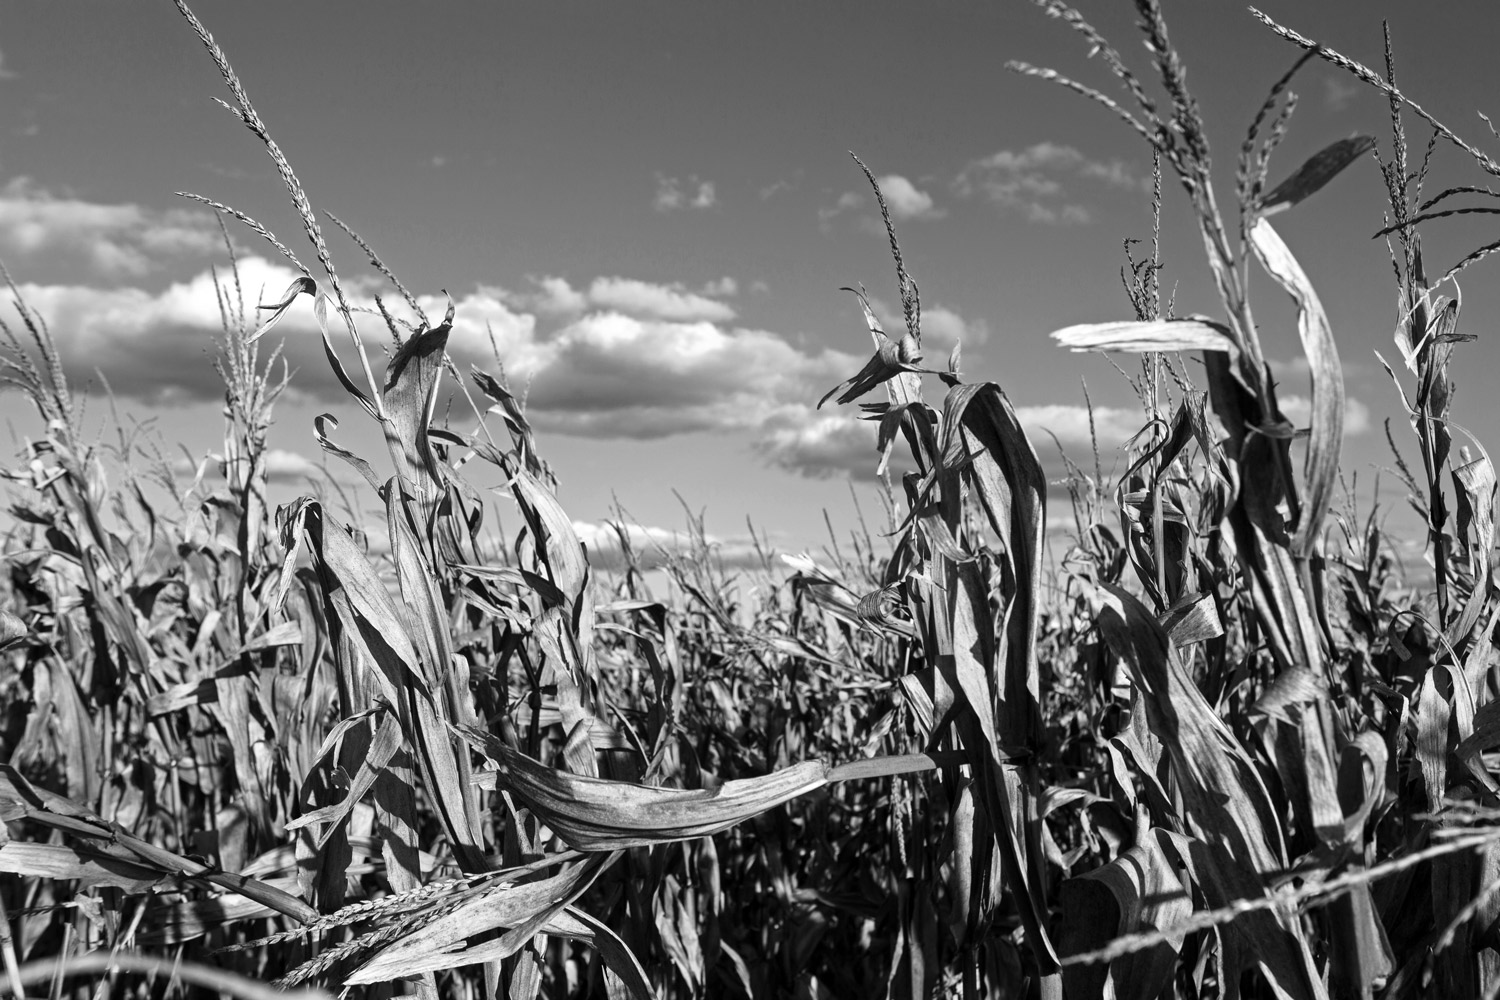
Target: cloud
[(630, 360), (776, 187), (1112, 425), (612, 375), (1298, 409), (1338, 92), (640, 298), (848, 201), (158, 346), (672, 193), (1298, 365), (1030, 182), (5, 72), (905, 201), (942, 327), (653, 547), (822, 445), (556, 297), (721, 287), (120, 241)]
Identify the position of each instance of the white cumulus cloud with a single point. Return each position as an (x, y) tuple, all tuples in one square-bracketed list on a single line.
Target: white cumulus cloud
[(906, 201), (1031, 182), (652, 547), (118, 241)]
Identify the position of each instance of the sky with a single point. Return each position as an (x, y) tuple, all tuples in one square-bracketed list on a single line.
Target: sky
[(647, 210)]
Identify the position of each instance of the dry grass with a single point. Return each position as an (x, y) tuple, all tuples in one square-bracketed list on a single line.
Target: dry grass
[(1228, 754)]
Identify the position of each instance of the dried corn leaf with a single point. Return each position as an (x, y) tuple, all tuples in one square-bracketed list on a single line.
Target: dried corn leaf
[(1433, 713), (1297, 686), (383, 746), (1141, 891), (1475, 483), (412, 378), (375, 625), (320, 313), (445, 768), (1194, 618), (557, 543), (323, 426), (439, 943), (19, 799), (91, 867), (1322, 466), (1319, 169), (301, 285), (596, 814), (1139, 337)]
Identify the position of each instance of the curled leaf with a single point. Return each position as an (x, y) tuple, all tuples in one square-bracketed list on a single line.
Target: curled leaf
[(597, 814), (300, 285), (1322, 465), (1309, 178), (1195, 333)]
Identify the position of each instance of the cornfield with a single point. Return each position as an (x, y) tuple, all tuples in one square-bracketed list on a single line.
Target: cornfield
[(1220, 749)]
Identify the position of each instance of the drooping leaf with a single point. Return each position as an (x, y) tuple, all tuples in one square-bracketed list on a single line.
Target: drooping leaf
[(1195, 333), (597, 814), (1321, 168), (1297, 686), (301, 285), (12, 630), (412, 379), (1194, 618), (320, 313), (1322, 466), (383, 746), (323, 426), (438, 944), (20, 799), (1143, 892), (93, 868)]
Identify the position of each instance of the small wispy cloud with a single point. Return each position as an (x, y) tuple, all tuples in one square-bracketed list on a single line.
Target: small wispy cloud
[(942, 327), (1030, 182), (6, 73), (1338, 92), (848, 202), (778, 186), (905, 201), (1298, 409), (673, 194), (720, 288)]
